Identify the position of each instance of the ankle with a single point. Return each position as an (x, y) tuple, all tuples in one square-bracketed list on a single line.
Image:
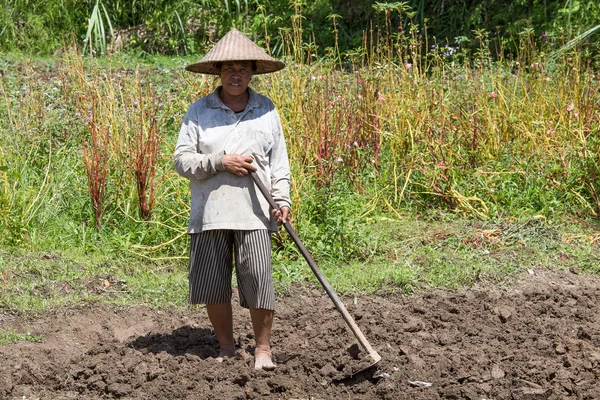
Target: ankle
[(263, 349)]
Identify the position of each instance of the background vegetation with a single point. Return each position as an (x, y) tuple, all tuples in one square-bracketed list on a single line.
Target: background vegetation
[(415, 161), (187, 27)]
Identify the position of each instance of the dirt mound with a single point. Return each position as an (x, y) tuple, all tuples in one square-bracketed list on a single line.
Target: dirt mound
[(537, 339)]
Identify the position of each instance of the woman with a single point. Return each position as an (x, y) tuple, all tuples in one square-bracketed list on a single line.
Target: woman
[(223, 135)]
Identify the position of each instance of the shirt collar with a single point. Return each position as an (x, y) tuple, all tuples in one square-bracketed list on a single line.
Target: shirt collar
[(214, 101)]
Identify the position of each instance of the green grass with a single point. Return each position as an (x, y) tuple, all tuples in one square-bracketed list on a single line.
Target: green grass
[(406, 256), (11, 337), (36, 282), (410, 255)]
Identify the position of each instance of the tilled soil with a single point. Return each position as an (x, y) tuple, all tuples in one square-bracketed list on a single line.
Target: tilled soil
[(535, 338)]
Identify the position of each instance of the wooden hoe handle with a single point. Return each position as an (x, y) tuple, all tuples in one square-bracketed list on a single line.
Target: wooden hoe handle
[(330, 292)]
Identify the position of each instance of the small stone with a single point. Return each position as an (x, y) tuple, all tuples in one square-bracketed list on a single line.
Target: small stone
[(486, 387), (118, 389), (328, 371), (535, 394), (559, 348), (381, 375), (420, 384), (245, 355), (497, 372), (503, 313), (95, 382), (413, 326)]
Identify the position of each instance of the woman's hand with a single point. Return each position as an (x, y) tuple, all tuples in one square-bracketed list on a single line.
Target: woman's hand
[(281, 217), (238, 164)]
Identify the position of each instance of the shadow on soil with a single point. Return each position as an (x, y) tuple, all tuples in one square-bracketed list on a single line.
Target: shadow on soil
[(200, 342)]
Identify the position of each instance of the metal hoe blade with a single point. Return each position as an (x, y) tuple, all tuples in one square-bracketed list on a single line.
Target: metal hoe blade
[(373, 355)]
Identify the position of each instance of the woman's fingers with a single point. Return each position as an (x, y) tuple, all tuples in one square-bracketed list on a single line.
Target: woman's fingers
[(285, 211), (281, 216), (247, 160), (238, 164)]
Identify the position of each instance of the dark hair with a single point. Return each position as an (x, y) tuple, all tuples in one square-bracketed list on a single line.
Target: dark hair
[(219, 65)]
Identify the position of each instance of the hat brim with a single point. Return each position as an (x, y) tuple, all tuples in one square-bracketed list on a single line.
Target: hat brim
[(211, 67)]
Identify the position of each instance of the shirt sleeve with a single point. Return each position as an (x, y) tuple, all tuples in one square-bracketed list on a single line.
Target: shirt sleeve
[(280, 168), (189, 162)]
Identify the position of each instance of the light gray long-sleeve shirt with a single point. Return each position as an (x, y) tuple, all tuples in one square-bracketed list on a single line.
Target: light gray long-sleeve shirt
[(221, 200)]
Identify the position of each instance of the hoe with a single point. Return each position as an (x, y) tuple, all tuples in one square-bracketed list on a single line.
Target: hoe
[(374, 357)]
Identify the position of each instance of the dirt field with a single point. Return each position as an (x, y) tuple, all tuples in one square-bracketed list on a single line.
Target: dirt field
[(535, 338)]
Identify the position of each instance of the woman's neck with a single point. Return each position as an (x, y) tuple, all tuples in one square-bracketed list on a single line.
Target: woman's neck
[(235, 103)]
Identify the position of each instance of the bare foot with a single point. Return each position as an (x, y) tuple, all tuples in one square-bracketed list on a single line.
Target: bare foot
[(225, 354), (262, 360)]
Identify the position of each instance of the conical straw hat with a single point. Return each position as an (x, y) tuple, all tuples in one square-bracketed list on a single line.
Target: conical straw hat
[(234, 46)]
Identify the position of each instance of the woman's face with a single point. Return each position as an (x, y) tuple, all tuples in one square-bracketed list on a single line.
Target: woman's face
[(235, 77)]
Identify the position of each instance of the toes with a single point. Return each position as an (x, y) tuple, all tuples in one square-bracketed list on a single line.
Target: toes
[(263, 361), (267, 367)]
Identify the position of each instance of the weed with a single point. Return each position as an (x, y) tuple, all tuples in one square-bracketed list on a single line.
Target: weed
[(96, 156), (144, 150), (11, 337)]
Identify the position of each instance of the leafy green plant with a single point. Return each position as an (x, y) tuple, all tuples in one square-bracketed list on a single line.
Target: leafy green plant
[(576, 41), (11, 337), (95, 38)]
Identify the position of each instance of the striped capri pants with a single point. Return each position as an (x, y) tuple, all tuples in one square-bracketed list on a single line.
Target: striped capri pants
[(211, 265)]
